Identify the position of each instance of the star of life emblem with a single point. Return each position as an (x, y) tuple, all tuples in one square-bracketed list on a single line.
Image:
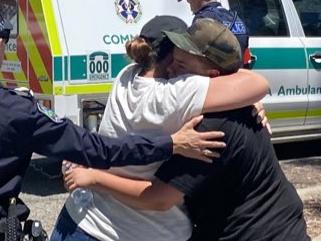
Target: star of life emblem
[(128, 10)]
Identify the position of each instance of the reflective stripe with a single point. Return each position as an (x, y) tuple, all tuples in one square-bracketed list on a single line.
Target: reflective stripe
[(289, 114), (52, 27), (279, 58), (78, 66), (83, 89)]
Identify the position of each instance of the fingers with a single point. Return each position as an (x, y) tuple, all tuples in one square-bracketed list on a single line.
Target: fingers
[(259, 111), (257, 108), (263, 121), (261, 116), (204, 159), (204, 155), (211, 145), (194, 121), (268, 127), (68, 180), (211, 154), (211, 135), (69, 183)]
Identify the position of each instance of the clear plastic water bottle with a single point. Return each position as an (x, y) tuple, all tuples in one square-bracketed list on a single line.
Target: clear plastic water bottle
[(82, 197)]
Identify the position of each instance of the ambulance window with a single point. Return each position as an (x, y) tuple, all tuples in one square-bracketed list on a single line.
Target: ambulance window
[(262, 17), (310, 15)]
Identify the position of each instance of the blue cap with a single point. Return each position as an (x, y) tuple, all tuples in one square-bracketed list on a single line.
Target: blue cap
[(5, 29)]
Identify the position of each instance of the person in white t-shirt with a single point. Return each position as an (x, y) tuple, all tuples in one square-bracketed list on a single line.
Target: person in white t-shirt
[(143, 100)]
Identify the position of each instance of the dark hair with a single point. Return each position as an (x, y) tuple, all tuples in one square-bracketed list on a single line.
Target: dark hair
[(152, 45)]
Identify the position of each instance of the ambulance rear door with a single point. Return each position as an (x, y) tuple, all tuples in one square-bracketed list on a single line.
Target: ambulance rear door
[(278, 53), (309, 13)]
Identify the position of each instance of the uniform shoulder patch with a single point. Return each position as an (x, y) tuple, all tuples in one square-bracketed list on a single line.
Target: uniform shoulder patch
[(49, 113)]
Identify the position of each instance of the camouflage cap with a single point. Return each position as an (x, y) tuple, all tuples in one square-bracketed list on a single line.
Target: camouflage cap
[(211, 39)]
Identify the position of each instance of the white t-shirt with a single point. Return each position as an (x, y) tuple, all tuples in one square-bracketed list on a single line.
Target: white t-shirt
[(141, 105)]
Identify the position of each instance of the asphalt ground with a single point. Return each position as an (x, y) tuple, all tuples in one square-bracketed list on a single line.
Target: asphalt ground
[(44, 193)]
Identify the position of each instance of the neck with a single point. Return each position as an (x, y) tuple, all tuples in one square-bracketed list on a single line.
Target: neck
[(154, 72)]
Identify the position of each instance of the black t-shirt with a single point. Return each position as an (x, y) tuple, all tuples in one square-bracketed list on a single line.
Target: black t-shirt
[(244, 194)]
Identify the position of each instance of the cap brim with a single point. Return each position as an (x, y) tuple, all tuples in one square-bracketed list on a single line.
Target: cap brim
[(183, 42)]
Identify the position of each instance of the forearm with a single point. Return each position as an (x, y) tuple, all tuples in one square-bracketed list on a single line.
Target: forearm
[(138, 194), (67, 141), (105, 181), (142, 202), (235, 91)]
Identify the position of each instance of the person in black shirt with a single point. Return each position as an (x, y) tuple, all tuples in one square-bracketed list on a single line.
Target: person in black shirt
[(241, 196)]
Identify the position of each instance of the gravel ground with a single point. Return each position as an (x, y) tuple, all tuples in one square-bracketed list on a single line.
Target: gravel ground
[(43, 192), (306, 177), (45, 195)]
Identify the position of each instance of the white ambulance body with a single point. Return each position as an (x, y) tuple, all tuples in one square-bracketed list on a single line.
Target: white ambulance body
[(69, 52), (285, 45)]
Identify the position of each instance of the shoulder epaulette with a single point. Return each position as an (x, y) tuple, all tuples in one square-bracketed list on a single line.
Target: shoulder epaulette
[(22, 91)]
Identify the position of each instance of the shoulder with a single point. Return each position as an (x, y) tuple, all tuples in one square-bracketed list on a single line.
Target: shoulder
[(129, 69), (183, 173), (231, 117), (17, 110), (128, 73), (188, 78), (17, 99), (193, 87)]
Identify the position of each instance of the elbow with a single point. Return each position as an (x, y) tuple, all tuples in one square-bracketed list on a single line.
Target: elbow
[(263, 87), (266, 86)]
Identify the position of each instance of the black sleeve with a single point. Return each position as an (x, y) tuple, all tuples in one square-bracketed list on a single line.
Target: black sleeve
[(61, 138), (183, 173)]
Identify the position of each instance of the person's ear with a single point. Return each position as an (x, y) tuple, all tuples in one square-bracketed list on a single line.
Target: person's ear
[(212, 73)]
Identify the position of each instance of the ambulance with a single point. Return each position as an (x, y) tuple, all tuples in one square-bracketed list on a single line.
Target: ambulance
[(285, 46), (69, 52)]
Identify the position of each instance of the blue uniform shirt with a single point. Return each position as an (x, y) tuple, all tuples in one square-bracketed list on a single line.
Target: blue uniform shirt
[(26, 127), (229, 18)]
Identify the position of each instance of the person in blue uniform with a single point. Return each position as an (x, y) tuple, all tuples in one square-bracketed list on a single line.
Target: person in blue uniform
[(213, 9), (27, 127)]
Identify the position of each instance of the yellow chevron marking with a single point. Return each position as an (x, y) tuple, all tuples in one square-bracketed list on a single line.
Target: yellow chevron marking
[(52, 28), (36, 61), (37, 10)]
